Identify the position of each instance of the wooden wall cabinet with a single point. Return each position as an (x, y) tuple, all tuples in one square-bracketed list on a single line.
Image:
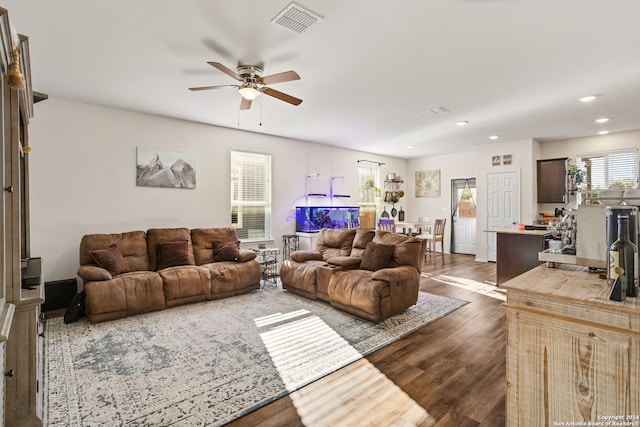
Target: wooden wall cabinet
[(20, 328), (572, 354), (552, 180)]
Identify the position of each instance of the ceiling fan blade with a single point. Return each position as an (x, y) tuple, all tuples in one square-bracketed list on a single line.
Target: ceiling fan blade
[(245, 104), (282, 96), (225, 70), (211, 87), (280, 77)]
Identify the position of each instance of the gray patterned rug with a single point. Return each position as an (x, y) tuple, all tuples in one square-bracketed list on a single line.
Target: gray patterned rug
[(208, 363)]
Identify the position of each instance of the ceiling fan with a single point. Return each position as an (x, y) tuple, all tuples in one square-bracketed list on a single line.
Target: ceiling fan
[(252, 84)]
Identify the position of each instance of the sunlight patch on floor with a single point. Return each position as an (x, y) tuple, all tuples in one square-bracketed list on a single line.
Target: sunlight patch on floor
[(301, 345), (358, 397), (483, 288)]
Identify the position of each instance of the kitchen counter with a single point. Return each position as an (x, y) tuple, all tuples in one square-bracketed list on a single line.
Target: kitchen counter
[(517, 251), (514, 230), (572, 354)]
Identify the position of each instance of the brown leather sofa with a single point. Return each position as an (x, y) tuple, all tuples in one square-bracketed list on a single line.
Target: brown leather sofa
[(125, 274), (373, 275)]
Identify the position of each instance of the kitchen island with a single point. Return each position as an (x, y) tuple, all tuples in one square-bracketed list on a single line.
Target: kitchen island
[(573, 355), (517, 251)]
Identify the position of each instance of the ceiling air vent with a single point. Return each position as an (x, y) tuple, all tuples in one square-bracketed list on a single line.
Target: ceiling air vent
[(435, 111), (295, 18)]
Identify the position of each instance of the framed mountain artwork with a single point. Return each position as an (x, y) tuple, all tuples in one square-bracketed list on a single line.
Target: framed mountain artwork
[(159, 168)]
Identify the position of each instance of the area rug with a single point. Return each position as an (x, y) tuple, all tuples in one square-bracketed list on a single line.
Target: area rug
[(208, 363)]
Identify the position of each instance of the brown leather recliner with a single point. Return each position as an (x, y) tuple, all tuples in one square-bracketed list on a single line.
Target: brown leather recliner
[(378, 295), (138, 286), (307, 273), (333, 273)]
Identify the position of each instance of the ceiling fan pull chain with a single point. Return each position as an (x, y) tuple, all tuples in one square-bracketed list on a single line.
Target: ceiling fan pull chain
[(260, 111)]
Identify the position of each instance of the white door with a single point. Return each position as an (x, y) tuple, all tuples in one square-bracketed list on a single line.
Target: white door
[(464, 216), (503, 205)]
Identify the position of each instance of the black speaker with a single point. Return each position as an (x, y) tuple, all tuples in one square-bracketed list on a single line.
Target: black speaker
[(58, 294)]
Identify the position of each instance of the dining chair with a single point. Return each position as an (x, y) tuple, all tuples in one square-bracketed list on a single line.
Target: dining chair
[(426, 220), (436, 235), (387, 224)]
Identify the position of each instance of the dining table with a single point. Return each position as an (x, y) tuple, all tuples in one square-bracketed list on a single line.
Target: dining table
[(408, 227)]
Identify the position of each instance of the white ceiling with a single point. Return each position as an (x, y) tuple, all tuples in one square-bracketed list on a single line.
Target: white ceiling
[(370, 70)]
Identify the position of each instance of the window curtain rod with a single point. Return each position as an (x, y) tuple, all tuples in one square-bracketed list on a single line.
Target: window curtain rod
[(371, 161)]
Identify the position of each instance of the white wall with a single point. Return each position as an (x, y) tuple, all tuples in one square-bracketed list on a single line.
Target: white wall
[(475, 164), (82, 176), (452, 166), (589, 145)]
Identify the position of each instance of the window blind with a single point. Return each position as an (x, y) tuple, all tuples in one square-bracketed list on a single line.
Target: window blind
[(251, 195), (614, 170)]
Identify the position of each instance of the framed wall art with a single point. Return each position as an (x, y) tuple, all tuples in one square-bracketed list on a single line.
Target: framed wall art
[(495, 160), (428, 183), (506, 159), (159, 168)]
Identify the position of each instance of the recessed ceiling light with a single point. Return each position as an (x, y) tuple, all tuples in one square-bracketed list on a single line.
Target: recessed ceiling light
[(463, 123), (603, 132), (411, 147), (588, 98), (494, 137), (602, 120)]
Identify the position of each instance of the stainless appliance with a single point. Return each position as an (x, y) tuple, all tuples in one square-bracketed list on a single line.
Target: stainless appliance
[(596, 229)]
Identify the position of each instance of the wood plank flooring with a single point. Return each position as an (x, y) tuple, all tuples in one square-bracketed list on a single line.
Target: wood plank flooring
[(448, 373)]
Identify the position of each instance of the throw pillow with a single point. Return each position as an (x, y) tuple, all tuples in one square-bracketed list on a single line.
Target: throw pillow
[(376, 256), (110, 259), (226, 251), (171, 254)]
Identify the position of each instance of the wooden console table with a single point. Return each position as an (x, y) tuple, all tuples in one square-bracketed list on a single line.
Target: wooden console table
[(573, 355)]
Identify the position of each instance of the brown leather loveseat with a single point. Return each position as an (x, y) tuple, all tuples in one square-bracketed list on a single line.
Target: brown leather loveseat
[(373, 275), (137, 272)]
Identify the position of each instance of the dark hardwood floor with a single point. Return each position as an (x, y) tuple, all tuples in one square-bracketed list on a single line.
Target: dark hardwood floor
[(448, 373)]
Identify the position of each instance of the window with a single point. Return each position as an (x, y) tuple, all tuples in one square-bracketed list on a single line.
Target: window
[(251, 195), (603, 171), (368, 178)]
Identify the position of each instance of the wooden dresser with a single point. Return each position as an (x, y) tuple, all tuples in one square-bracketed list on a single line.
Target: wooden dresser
[(572, 354)]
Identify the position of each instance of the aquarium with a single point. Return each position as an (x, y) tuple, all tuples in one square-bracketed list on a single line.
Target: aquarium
[(313, 218)]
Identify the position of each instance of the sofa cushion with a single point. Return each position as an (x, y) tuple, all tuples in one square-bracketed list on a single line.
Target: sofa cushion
[(229, 278), (302, 256), (226, 251), (186, 284), (333, 242), (172, 254), (132, 245), (376, 256), (110, 259), (346, 262), (126, 295), (408, 250), (203, 239), (155, 235), (360, 241)]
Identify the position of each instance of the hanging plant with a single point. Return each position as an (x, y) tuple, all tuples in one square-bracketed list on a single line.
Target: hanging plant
[(576, 177)]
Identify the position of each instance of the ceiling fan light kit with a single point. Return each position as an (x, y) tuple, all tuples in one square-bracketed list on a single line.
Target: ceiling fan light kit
[(249, 92), (253, 84)]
